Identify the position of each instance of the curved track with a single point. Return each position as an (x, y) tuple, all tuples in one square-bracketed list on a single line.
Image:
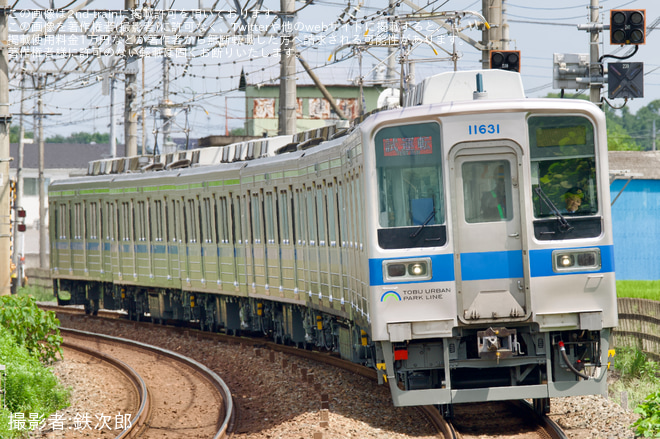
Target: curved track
[(532, 425), (164, 374)]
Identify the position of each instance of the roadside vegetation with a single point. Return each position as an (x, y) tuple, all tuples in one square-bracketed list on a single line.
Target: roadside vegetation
[(637, 374), (638, 289), (29, 342)]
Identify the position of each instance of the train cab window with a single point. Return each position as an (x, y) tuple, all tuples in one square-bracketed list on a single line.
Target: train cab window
[(564, 181), (411, 195)]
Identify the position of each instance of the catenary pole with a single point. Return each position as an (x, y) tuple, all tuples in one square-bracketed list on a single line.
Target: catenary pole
[(594, 64), (5, 119), (287, 108)]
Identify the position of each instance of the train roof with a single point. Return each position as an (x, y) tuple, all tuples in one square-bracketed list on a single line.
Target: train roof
[(444, 93)]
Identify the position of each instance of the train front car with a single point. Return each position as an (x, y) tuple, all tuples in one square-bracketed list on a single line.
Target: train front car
[(491, 261)]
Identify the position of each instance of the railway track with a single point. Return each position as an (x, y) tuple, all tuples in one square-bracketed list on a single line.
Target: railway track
[(503, 419), (464, 427), (175, 393)]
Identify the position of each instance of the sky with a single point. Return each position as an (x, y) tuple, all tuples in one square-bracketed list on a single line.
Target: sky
[(206, 82)]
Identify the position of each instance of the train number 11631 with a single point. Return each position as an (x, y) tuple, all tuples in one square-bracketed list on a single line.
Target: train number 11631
[(484, 129)]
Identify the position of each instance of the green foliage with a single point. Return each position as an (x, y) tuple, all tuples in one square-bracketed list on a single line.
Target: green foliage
[(30, 386), (14, 132), (34, 328), (80, 137), (648, 425), (39, 294), (632, 363), (639, 289), (627, 131)]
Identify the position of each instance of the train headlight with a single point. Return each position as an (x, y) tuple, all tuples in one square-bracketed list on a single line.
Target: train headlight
[(576, 260), (417, 269), (403, 270)]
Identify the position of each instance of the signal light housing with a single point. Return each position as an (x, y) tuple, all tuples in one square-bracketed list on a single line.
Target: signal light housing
[(628, 26), (505, 60)]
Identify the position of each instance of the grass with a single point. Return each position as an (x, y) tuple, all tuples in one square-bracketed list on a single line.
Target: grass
[(638, 289), (39, 294)]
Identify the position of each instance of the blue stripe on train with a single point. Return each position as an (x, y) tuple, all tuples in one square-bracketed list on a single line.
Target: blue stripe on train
[(442, 267), (493, 265), (541, 261)]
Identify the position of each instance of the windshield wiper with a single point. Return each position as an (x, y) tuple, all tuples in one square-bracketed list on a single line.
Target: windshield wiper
[(421, 226), (563, 224)]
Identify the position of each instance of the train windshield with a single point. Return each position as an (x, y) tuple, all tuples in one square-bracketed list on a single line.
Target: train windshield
[(562, 150), (409, 171)]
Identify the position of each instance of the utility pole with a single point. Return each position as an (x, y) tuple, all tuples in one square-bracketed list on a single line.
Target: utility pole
[(18, 236), (130, 91), (43, 230), (287, 116), (493, 38), (594, 64), (166, 111), (113, 122), (5, 120), (390, 75)]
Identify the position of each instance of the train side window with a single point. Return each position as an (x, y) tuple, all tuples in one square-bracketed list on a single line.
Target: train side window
[(311, 217), (125, 223), (269, 218), (158, 221), (176, 221), (563, 162), (64, 210), (191, 222), (284, 220), (92, 224), (342, 214), (112, 218), (256, 219), (223, 217), (301, 222), (140, 220), (209, 210), (332, 221), (76, 221), (409, 175), (321, 214)]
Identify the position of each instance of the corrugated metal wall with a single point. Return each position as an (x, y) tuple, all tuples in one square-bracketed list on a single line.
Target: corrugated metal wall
[(636, 223)]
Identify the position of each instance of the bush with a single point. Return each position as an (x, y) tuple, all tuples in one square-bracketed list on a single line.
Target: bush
[(31, 388), (34, 328), (648, 425)]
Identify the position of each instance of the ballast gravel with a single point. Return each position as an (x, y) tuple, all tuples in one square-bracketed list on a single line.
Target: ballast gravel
[(274, 402)]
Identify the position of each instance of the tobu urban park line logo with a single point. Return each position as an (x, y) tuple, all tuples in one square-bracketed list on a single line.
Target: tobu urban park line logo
[(390, 295)]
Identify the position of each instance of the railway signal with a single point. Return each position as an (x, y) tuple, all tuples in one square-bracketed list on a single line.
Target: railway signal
[(628, 26), (505, 60), (625, 80)]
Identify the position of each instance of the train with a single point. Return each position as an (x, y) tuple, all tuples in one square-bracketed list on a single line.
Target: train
[(437, 242)]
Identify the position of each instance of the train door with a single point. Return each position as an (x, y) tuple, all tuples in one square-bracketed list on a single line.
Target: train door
[(112, 239), (312, 244), (490, 272), (258, 266), (175, 244), (288, 263), (273, 253), (300, 227)]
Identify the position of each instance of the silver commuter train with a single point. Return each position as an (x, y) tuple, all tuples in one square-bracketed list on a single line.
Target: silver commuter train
[(432, 242)]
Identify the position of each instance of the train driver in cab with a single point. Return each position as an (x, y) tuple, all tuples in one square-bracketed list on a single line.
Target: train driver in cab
[(573, 198)]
